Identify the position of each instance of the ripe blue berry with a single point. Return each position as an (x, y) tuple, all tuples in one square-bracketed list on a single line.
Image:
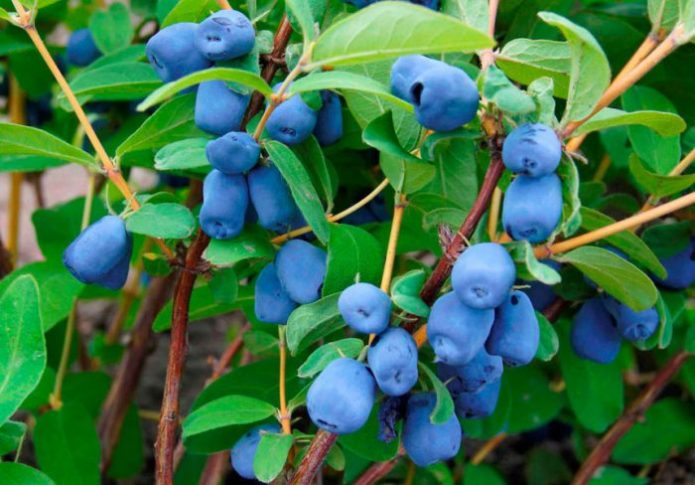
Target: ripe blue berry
[(271, 198), (244, 450), (272, 303), (301, 268), (81, 48), (427, 443), (515, 333), (365, 308), (532, 207), (292, 121), (329, 121), (680, 268), (393, 361), (172, 53), (632, 325), (483, 275), (218, 109), (341, 398), (225, 198), (532, 149), (478, 404), (456, 331), (234, 153), (470, 377), (225, 35), (594, 336), (404, 72), (101, 254)]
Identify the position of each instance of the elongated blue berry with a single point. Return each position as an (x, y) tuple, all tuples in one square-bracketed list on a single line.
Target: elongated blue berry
[(483, 275)]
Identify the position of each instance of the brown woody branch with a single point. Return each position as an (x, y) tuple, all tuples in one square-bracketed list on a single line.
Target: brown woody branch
[(312, 461), (602, 452)]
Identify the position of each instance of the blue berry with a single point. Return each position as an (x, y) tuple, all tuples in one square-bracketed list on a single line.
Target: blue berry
[(292, 121), (301, 268), (594, 336), (329, 121), (483, 275), (81, 48), (365, 308), (244, 450), (218, 109), (473, 375), (225, 35), (225, 198), (101, 254), (234, 153), (271, 198), (478, 404), (404, 72), (427, 443), (341, 398), (532, 149), (392, 359), (515, 333), (632, 325), (456, 331), (680, 268), (272, 303), (532, 207), (172, 53)]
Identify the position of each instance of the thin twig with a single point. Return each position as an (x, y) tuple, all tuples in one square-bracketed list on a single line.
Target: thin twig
[(17, 114), (681, 167), (312, 461)]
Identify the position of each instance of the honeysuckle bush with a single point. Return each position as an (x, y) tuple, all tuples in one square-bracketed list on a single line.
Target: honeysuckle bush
[(391, 202)]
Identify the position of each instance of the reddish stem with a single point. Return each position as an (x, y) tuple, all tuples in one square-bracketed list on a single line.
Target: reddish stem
[(377, 471), (602, 452), (312, 461)]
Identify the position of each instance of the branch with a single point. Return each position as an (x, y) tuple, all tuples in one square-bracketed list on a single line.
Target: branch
[(602, 452), (378, 471), (312, 461)]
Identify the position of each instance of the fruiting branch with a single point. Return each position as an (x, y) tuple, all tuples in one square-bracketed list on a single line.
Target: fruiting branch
[(17, 114), (313, 460), (602, 451)]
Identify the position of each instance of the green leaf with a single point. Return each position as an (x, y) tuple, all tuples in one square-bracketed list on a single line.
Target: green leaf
[(352, 253), (67, 445), (663, 13), (660, 152), (473, 12), (226, 411), (172, 122), (529, 268), (27, 163), (112, 29), (327, 353), (22, 346), (501, 91), (405, 293), (4, 15), (477, 474), (182, 155), (659, 185), (165, 221), (252, 243), (525, 60), (245, 78), (406, 176), (301, 11), (541, 91), (590, 72), (125, 81), (309, 323), (392, 29), (11, 434), (271, 455), (626, 241), (303, 191), (25, 140), (665, 124), (533, 402), (444, 408), (667, 239), (618, 277), (366, 444), (189, 11), (347, 81), (612, 475), (20, 474), (381, 135), (571, 204), (311, 155), (595, 391), (668, 426), (549, 343)]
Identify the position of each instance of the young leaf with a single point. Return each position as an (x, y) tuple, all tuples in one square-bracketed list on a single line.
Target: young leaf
[(303, 191), (392, 29), (352, 252), (501, 91), (548, 344), (659, 185), (327, 353), (663, 14), (346, 81), (405, 293), (18, 473), (590, 72), (183, 155), (165, 221), (251, 243), (226, 411), (618, 277), (172, 122), (25, 140), (246, 78), (22, 346), (112, 29), (529, 268), (444, 408), (271, 455), (308, 323), (525, 60), (67, 445), (665, 124), (189, 11), (571, 204)]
